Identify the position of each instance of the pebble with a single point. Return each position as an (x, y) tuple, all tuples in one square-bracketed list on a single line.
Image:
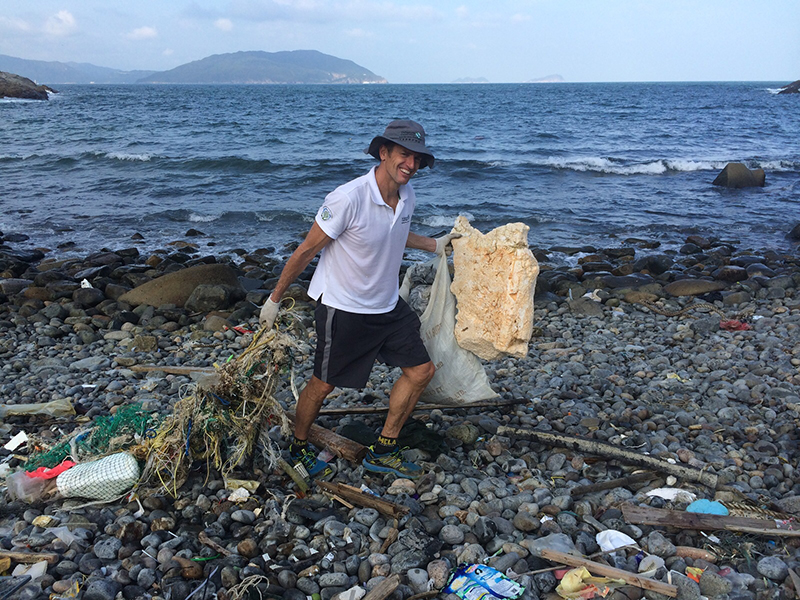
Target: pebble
[(680, 388)]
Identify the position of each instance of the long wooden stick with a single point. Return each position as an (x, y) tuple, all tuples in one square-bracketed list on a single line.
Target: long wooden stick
[(613, 452), (601, 569), (422, 406), (639, 515), (356, 496)]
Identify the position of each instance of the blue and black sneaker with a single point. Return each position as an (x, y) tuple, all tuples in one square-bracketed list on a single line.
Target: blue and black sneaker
[(308, 465), (391, 462)]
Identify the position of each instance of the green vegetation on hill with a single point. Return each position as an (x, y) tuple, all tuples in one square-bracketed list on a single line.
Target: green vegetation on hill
[(299, 66)]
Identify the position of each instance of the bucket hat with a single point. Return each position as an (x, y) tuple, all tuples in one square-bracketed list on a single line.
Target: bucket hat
[(409, 135)]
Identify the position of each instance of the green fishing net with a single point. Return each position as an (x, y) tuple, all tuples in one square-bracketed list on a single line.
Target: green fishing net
[(128, 426)]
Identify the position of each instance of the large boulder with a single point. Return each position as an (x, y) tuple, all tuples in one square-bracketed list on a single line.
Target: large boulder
[(736, 175), (494, 282), (176, 288), (792, 88), (16, 86)]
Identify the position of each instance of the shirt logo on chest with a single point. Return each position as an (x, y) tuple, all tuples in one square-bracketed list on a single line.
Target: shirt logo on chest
[(405, 219)]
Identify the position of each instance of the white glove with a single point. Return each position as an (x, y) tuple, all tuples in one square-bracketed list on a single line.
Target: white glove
[(269, 313), (442, 242)]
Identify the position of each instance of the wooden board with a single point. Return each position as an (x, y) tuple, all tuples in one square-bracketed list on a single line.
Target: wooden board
[(606, 571), (640, 515)]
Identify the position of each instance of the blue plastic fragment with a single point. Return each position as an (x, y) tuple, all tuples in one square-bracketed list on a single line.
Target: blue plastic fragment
[(707, 507)]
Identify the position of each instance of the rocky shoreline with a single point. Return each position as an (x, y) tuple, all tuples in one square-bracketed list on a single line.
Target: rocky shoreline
[(691, 357)]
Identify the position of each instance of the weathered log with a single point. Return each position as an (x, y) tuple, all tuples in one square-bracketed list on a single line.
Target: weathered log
[(423, 406), (356, 496), (613, 452), (171, 370), (339, 445), (601, 569), (640, 515)]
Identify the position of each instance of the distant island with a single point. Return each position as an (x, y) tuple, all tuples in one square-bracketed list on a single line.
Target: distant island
[(471, 80), (548, 79), (298, 66)]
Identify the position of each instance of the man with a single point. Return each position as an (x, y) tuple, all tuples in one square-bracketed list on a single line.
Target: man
[(362, 230)]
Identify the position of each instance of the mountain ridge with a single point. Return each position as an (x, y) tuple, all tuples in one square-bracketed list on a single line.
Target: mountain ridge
[(246, 67)]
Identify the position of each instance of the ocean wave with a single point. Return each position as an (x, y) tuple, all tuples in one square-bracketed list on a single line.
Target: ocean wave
[(128, 156), (438, 221), (612, 166)]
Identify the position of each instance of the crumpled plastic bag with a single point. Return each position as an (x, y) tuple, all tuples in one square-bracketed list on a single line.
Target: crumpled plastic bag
[(673, 494), (611, 539), (579, 584), (708, 507), (55, 408)]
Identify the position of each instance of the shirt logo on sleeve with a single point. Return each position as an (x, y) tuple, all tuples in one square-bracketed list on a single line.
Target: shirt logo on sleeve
[(326, 213)]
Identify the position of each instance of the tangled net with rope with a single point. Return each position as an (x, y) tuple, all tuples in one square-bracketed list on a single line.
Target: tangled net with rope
[(220, 419)]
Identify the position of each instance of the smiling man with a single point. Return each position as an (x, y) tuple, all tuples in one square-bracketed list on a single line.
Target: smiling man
[(362, 230)]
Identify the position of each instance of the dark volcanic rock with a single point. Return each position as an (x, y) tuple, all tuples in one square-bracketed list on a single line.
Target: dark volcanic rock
[(15, 86), (792, 88), (736, 175)]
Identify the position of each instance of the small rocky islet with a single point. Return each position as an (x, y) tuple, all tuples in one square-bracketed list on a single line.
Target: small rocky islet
[(690, 356)]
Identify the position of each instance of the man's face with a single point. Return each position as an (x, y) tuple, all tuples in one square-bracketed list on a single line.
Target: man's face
[(400, 163)]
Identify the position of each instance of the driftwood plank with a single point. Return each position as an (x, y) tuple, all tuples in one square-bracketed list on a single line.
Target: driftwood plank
[(611, 483), (356, 496), (640, 515), (601, 569), (384, 589), (613, 452)]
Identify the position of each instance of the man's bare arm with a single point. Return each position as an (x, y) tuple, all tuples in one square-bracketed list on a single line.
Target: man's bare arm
[(315, 241)]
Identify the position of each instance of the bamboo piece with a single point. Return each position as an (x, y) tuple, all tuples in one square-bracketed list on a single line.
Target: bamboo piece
[(607, 571), (298, 479), (613, 452), (640, 515), (612, 483), (356, 496), (29, 558), (384, 589), (341, 446)]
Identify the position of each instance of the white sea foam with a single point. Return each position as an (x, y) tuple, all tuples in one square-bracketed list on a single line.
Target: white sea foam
[(130, 157), (694, 165), (605, 165), (195, 218), (444, 220)]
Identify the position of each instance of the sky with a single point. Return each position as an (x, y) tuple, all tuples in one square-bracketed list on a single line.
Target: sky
[(427, 41)]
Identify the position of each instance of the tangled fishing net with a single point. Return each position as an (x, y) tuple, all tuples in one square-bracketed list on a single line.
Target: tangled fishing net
[(222, 417), (107, 435)]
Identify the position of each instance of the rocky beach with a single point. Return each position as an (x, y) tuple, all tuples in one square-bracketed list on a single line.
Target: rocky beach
[(691, 357)]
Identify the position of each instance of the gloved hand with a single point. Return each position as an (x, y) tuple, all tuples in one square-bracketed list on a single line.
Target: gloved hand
[(442, 242), (269, 313)]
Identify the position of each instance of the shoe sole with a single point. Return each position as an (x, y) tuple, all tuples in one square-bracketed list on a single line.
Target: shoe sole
[(379, 469)]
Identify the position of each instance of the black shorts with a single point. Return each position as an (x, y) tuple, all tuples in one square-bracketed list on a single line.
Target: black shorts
[(348, 343)]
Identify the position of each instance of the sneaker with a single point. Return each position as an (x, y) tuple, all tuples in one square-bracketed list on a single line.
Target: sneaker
[(390, 463), (308, 465)]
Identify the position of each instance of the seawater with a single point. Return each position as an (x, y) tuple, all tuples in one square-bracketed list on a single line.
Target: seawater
[(581, 164)]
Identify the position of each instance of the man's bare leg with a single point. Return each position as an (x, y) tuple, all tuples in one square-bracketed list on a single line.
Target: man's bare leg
[(309, 404), (404, 396)]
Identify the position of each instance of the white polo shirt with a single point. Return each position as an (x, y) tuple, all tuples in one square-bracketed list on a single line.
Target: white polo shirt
[(358, 271)]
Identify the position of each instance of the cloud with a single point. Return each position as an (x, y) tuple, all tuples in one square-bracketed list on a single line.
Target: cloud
[(520, 18), (14, 24), (168, 52), (223, 24), (143, 33), (62, 23), (317, 11)]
